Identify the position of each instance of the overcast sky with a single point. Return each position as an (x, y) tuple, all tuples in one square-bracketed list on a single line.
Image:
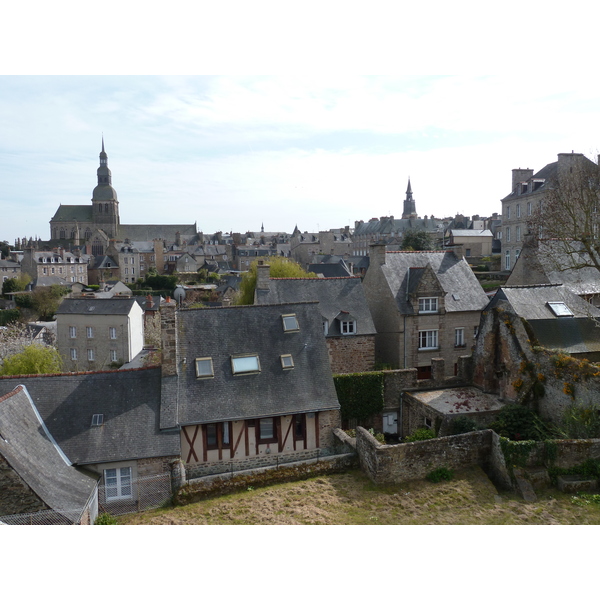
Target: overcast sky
[(315, 150)]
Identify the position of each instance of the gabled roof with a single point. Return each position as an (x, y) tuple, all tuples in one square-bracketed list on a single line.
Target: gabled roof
[(338, 269), (574, 333), (475, 233), (333, 296), (69, 212), (29, 448), (154, 232), (129, 400), (220, 333), (115, 305), (462, 290)]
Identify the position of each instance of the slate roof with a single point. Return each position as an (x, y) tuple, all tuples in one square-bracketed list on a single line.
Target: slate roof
[(576, 334), (154, 232), (333, 295), (476, 233), (220, 333), (69, 212), (129, 401), (462, 290), (330, 270), (31, 451), (116, 305)]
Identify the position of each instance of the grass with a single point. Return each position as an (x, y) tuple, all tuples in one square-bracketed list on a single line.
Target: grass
[(352, 499)]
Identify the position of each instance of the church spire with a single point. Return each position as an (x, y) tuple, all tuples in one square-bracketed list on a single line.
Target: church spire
[(410, 209)]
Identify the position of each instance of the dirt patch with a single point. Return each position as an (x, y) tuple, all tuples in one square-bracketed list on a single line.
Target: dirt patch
[(351, 499)]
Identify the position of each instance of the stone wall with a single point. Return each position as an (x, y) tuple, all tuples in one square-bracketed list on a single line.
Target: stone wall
[(387, 464), (227, 483), (352, 353)]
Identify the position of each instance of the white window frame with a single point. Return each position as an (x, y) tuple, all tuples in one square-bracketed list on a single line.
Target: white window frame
[(507, 260), (508, 234), (518, 211), (91, 354), (118, 483), (112, 333), (89, 332), (73, 353), (325, 327), (204, 368), (428, 305), (529, 209), (518, 233), (287, 361), (113, 356), (459, 337), (429, 339), (348, 327), (72, 332)]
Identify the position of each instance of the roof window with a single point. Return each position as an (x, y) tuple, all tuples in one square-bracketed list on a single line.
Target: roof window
[(560, 309), (245, 364), (290, 323), (287, 361), (97, 420), (204, 368)]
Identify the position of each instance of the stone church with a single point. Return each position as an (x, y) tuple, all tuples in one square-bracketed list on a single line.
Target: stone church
[(96, 225)]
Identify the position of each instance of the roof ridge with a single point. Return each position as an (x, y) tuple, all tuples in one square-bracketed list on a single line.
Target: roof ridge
[(13, 393), (234, 306), (69, 373), (314, 278), (533, 285)]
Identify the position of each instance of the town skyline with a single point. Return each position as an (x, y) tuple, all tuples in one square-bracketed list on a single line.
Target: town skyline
[(236, 153)]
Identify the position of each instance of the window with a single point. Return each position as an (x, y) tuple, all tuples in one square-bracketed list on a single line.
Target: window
[(73, 353), (459, 337), (117, 483), (508, 234), (427, 422), (204, 368), (290, 323), (560, 309), (518, 211), (428, 305), (508, 212), (97, 420), (517, 252), (529, 209), (113, 356), (428, 339), (72, 332), (475, 331), (287, 362), (112, 332), (507, 260), (247, 364), (218, 435), (518, 233), (348, 327), (90, 354), (89, 332), (267, 432), (299, 427), (424, 372)]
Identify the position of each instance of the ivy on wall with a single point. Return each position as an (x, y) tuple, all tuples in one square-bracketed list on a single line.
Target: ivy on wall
[(360, 394)]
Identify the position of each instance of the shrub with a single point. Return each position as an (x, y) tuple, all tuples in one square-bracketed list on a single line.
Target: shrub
[(420, 434), (105, 519), (440, 474), (517, 422), (462, 425), (360, 394)]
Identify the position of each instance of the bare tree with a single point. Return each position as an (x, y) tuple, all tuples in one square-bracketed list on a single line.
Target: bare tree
[(566, 222)]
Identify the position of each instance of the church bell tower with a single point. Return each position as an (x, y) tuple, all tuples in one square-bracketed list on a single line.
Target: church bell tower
[(105, 206)]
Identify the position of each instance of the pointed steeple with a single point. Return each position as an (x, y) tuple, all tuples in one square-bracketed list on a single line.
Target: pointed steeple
[(104, 199), (410, 209)]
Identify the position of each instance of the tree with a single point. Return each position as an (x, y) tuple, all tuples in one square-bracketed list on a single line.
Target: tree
[(280, 267), (32, 360), (416, 240), (15, 284), (45, 300), (566, 223)]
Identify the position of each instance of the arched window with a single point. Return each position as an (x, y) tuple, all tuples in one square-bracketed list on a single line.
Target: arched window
[(62, 234), (106, 209), (99, 207), (72, 234)]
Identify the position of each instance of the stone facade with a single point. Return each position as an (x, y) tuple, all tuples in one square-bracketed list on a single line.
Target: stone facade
[(351, 354)]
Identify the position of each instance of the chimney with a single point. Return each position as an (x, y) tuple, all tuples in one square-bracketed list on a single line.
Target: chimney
[(168, 330), (149, 302), (377, 253), (519, 175), (263, 273)]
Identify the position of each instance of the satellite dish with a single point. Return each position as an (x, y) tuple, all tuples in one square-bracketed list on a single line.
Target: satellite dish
[(179, 293)]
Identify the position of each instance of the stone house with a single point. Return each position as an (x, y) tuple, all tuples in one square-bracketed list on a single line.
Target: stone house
[(424, 305), (259, 392), (347, 324), (9, 269), (108, 423), (69, 266), (475, 243), (528, 190), (93, 333), (36, 477)]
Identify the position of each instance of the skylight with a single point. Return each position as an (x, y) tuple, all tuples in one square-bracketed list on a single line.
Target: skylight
[(204, 368), (560, 309), (97, 420), (241, 365), (290, 323), (287, 362)]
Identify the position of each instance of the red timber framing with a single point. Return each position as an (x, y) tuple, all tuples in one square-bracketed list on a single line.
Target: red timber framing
[(192, 452)]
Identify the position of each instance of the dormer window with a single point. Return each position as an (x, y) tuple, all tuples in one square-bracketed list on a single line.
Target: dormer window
[(290, 323), (246, 364), (428, 305), (348, 327), (204, 368)]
